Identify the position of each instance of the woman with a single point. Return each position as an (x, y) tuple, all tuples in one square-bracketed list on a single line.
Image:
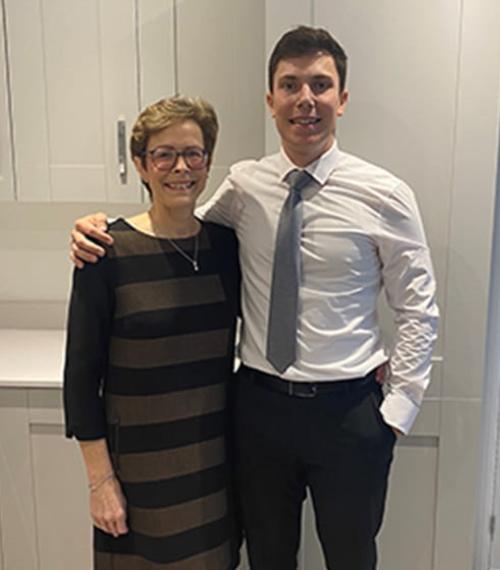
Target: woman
[(149, 355)]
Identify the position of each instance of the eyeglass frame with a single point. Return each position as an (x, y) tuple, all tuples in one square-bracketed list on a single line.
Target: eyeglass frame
[(178, 153)]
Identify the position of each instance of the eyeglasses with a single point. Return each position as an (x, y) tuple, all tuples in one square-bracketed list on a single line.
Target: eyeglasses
[(165, 157)]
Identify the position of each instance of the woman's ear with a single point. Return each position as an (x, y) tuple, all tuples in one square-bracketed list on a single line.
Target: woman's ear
[(139, 164)]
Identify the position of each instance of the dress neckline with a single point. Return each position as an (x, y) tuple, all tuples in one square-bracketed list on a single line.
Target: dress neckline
[(160, 238)]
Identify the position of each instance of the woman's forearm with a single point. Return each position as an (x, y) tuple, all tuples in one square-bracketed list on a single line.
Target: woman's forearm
[(107, 503), (97, 461)]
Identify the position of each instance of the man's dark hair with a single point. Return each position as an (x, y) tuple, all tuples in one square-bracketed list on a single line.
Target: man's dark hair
[(305, 41)]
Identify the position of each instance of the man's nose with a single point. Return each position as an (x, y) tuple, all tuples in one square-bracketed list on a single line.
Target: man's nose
[(306, 96)]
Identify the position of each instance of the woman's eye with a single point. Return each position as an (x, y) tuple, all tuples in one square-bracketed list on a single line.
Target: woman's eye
[(165, 155), (194, 153)]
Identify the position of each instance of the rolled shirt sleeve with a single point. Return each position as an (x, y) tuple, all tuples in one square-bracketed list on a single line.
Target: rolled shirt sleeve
[(410, 289)]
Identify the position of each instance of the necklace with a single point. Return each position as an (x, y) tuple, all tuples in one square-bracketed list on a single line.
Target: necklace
[(192, 260)]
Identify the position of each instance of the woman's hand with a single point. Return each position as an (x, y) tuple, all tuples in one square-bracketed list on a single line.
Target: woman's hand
[(108, 508), (82, 250)]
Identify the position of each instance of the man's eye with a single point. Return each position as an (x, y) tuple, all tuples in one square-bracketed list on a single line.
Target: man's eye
[(288, 86), (320, 86)]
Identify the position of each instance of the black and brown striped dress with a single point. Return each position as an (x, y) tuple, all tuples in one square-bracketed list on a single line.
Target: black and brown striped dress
[(148, 365)]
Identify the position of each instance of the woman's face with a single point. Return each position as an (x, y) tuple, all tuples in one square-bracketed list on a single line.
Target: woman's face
[(175, 181)]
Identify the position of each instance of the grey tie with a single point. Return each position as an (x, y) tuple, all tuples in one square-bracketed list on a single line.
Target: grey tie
[(283, 307)]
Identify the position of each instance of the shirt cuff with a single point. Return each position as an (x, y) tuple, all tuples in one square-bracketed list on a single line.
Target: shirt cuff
[(399, 411)]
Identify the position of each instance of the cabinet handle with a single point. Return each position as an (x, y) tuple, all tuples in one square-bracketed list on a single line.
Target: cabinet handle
[(122, 150)]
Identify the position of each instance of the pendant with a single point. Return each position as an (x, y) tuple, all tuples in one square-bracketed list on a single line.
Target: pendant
[(196, 267)]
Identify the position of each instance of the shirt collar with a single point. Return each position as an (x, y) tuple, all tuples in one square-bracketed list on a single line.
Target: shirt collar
[(320, 169)]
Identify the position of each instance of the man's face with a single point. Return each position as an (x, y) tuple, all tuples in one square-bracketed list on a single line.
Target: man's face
[(305, 104)]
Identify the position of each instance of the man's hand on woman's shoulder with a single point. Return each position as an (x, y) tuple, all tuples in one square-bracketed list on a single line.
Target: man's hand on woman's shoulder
[(82, 249)]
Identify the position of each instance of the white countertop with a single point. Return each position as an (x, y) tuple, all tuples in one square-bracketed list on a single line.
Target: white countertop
[(31, 358)]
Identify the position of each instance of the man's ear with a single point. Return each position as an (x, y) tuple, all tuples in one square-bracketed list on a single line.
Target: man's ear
[(344, 97), (270, 103)]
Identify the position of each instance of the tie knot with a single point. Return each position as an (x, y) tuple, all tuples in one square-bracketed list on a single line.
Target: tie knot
[(299, 179)]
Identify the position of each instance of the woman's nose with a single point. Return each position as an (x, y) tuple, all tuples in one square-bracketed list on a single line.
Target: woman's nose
[(180, 164)]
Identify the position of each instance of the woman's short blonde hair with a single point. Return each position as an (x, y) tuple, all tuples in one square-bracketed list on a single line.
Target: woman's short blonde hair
[(165, 112)]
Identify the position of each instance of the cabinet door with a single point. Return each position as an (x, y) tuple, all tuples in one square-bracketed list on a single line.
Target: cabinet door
[(6, 171), (221, 57), (61, 501), (156, 50), (74, 76)]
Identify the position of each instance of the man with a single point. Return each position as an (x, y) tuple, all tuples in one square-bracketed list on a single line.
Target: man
[(315, 250)]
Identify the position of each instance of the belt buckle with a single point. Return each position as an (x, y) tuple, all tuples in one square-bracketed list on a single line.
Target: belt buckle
[(312, 390)]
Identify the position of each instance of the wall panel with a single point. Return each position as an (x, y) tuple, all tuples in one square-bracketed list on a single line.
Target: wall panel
[(6, 165)]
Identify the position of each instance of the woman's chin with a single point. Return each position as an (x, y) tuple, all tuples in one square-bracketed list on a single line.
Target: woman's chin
[(176, 200)]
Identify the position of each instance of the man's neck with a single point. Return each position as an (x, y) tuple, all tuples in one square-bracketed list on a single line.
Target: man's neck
[(303, 160)]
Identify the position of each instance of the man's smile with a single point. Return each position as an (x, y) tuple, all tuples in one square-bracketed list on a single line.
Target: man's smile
[(305, 120)]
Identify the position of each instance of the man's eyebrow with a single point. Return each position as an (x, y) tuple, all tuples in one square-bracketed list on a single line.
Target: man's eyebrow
[(290, 77), (323, 76)]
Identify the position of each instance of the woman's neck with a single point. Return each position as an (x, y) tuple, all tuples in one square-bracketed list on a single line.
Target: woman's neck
[(164, 223)]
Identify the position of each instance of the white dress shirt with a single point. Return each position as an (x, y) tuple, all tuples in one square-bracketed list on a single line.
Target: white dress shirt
[(361, 230)]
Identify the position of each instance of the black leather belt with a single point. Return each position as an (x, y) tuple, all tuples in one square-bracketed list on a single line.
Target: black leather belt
[(306, 389)]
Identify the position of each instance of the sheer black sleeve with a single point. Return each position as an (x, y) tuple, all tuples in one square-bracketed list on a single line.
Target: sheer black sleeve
[(89, 329), (226, 245)]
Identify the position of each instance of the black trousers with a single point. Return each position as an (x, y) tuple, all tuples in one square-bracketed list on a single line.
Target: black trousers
[(336, 444)]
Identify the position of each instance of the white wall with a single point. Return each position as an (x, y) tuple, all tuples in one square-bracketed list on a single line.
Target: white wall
[(35, 264), (488, 488)]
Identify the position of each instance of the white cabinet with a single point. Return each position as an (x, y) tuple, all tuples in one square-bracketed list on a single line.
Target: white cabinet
[(75, 68), (6, 166), (81, 68), (17, 511), (156, 65)]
